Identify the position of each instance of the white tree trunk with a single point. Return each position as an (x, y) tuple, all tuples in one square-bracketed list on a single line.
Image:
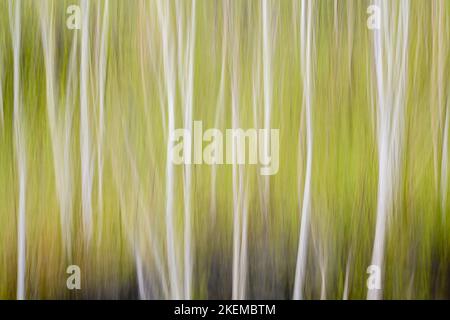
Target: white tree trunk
[(306, 47), (390, 55), (19, 139), (85, 138), (170, 83)]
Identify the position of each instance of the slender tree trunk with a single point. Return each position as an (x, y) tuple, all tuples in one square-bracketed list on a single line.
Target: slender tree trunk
[(169, 77), (390, 55), (306, 47), (19, 139), (85, 138), (102, 68)]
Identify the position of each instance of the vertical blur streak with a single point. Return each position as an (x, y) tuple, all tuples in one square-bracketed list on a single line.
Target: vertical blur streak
[(237, 169), (186, 70), (156, 252), (256, 102), (437, 100), (220, 105), (67, 176), (49, 53), (169, 79), (85, 143), (346, 281), (140, 275), (306, 47), (59, 123), (267, 71), (236, 214), (2, 115), (390, 55), (188, 254), (444, 162), (102, 58), (19, 138), (243, 249)]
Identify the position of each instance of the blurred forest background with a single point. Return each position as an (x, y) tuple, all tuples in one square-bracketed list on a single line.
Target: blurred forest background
[(85, 121)]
